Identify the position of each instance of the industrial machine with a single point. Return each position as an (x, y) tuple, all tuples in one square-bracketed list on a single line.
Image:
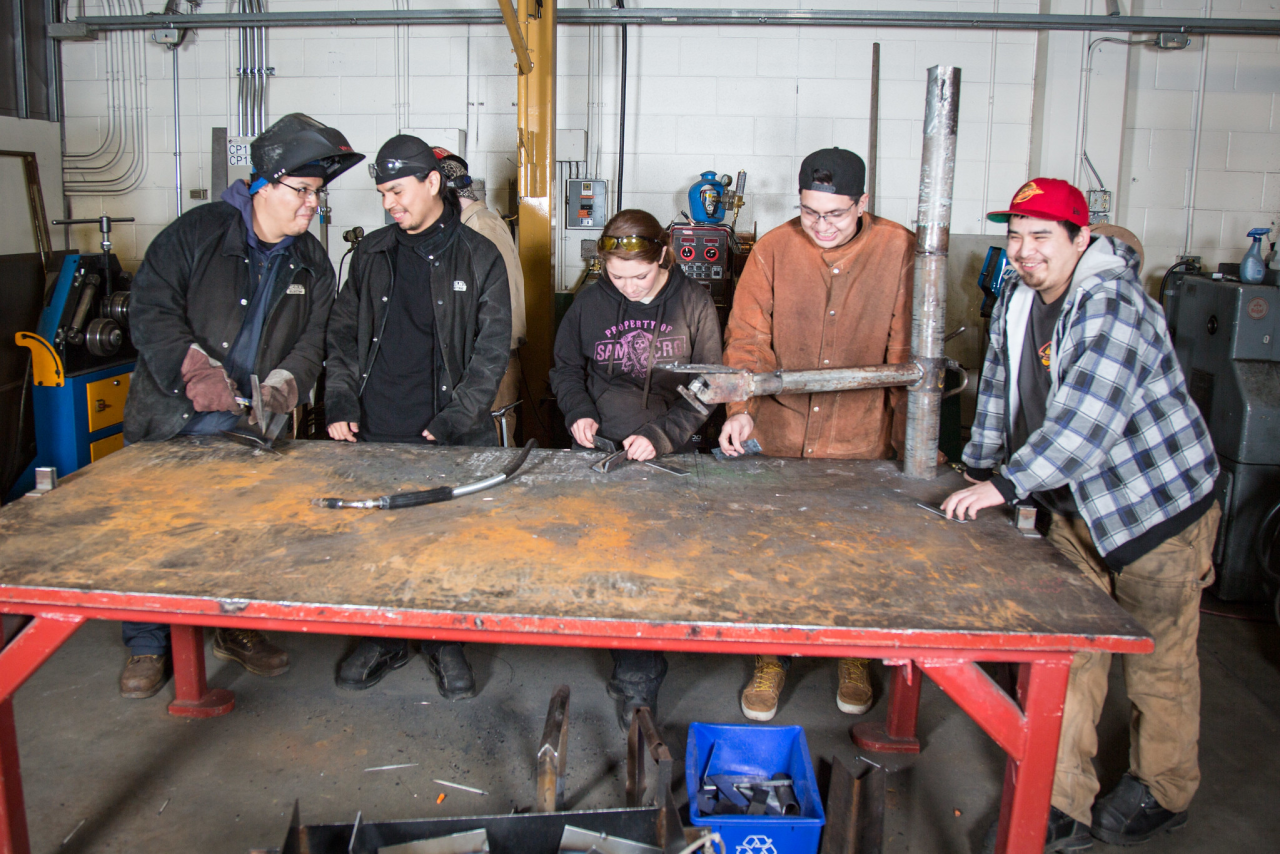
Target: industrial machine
[(81, 359), (709, 252), (1227, 338)]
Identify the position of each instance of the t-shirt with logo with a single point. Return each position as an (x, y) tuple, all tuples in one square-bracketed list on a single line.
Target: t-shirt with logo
[(1034, 383)]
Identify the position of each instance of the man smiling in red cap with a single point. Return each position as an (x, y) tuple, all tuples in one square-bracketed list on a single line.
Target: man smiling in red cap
[(1083, 409)]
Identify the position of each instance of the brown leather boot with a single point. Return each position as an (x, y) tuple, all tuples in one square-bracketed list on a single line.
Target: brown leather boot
[(251, 649), (143, 676)]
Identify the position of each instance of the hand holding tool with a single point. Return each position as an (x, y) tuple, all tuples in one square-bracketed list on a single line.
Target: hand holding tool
[(269, 424)]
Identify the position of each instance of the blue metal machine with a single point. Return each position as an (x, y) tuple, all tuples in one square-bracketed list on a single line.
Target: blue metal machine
[(81, 360)]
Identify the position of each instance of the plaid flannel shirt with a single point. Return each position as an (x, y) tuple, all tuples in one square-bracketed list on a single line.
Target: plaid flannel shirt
[(1120, 428)]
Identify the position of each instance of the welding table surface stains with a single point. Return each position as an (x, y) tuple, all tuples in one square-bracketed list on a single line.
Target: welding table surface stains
[(813, 557), (817, 545)]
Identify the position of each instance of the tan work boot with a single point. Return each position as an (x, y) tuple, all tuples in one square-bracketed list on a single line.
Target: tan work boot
[(251, 649), (854, 694), (143, 676), (760, 697)]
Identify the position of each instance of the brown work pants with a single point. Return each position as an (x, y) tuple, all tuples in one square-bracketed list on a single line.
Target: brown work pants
[(1162, 592), (508, 393)]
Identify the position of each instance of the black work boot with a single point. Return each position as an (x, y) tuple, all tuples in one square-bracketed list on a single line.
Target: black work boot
[(1130, 814), (1062, 835), (632, 689), (453, 674), (371, 660)]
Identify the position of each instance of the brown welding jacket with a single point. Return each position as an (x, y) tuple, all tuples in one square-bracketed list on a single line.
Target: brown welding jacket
[(799, 307)]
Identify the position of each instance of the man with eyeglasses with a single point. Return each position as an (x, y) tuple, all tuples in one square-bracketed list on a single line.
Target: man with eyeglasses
[(419, 338), (232, 290), (829, 289)]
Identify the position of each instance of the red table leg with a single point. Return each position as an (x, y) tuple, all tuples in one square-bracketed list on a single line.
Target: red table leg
[(22, 657), (13, 810), (194, 698), (897, 734), (1027, 733)]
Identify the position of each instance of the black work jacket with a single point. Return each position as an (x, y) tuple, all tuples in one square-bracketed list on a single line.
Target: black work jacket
[(473, 332), (193, 288)]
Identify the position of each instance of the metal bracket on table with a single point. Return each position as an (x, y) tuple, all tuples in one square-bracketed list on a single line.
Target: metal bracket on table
[(46, 481)]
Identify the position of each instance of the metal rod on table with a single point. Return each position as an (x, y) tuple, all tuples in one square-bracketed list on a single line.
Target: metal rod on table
[(933, 229)]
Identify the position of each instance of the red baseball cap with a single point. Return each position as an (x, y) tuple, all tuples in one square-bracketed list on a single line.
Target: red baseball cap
[(1046, 198)]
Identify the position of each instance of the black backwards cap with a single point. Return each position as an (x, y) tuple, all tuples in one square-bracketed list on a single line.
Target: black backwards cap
[(402, 156), (846, 173)]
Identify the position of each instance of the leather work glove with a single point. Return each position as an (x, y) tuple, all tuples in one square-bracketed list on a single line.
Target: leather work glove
[(208, 386), (279, 392)]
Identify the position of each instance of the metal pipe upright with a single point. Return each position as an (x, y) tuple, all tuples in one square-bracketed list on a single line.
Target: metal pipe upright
[(177, 135), (929, 300), (873, 137)]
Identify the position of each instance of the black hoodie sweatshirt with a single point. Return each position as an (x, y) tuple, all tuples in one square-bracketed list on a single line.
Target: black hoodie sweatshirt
[(609, 361)]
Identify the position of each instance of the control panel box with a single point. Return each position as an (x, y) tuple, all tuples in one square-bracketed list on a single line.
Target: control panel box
[(586, 204), (706, 254)]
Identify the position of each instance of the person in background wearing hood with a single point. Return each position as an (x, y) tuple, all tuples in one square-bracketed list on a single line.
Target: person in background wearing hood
[(829, 289), (608, 378), (475, 214), (230, 290), (1083, 408), (419, 338)]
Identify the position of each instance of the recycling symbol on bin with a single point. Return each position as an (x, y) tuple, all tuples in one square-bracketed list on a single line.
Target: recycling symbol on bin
[(756, 844)]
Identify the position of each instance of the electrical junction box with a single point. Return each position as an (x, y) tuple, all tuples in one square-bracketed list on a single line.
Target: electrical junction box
[(586, 204), (1099, 205), (571, 145)]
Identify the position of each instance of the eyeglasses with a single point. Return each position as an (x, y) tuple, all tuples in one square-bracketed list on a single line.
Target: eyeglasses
[(828, 217), (304, 193), (627, 243), (383, 169)]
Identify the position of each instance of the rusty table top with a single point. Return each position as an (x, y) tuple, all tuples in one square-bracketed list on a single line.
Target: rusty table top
[(819, 551)]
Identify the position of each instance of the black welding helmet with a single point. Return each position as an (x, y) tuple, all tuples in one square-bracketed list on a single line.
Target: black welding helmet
[(299, 145)]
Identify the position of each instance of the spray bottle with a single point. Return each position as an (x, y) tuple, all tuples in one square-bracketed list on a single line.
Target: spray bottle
[(1251, 266)]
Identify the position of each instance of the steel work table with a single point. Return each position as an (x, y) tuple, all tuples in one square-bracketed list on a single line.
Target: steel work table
[(817, 557)]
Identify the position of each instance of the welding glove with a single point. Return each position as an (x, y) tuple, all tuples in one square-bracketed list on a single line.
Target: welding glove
[(208, 386), (279, 392)]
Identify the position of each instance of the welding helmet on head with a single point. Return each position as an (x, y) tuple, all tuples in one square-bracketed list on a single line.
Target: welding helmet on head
[(300, 146)]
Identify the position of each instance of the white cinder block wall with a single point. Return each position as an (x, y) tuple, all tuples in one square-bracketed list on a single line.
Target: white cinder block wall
[(754, 97)]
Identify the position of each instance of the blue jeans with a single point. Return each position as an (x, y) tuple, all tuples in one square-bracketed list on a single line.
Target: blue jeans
[(146, 638)]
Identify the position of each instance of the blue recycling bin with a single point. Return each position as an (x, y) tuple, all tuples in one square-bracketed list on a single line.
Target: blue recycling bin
[(750, 750)]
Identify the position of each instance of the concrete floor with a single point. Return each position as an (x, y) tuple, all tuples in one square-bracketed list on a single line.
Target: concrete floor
[(106, 774)]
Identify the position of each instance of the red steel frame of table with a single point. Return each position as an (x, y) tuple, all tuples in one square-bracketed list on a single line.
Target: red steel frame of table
[(1026, 728)]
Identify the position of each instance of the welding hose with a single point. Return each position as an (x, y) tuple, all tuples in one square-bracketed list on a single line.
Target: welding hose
[(430, 496)]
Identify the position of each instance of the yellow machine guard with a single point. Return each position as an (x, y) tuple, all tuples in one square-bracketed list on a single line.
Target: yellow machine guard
[(46, 366)]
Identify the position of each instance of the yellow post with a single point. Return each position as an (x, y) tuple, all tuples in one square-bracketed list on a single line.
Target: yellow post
[(536, 144)]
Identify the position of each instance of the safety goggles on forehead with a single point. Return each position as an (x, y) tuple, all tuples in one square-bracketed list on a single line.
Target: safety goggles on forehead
[(627, 243), (381, 170)]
